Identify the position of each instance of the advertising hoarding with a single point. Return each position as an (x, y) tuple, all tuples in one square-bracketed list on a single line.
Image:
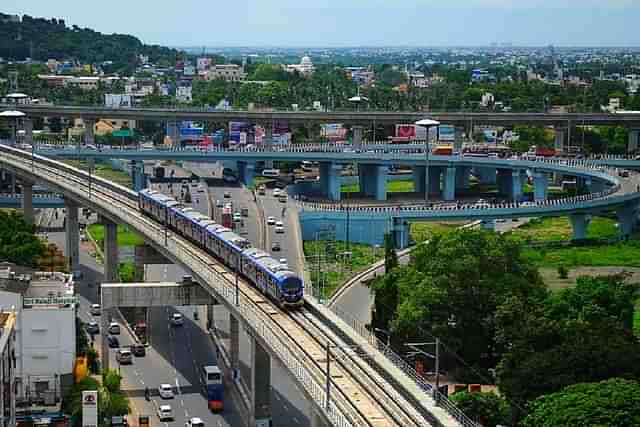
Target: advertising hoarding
[(90, 408), (447, 133)]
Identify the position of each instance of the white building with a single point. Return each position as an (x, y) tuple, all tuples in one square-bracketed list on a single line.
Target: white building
[(45, 345), (84, 83), (184, 92), (7, 369), (118, 100), (228, 72), (487, 99), (305, 67), (203, 63)]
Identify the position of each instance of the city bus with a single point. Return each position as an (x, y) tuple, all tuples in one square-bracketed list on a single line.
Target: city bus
[(212, 379)]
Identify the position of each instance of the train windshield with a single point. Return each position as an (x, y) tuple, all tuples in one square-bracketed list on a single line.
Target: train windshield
[(292, 284)]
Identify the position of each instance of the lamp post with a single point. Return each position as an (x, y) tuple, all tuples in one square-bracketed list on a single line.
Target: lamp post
[(416, 348), (427, 124)]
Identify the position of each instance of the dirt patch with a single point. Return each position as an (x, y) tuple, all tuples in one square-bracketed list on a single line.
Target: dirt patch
[(550, 275)]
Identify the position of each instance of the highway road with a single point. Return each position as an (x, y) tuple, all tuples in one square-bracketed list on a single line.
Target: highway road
[(173, 357), (289, 407)]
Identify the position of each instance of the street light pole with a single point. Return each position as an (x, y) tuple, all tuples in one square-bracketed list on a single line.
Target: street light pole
[(427, 124)]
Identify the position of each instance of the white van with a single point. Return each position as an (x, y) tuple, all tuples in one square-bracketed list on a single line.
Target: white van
[(124, 356), (271, 173)]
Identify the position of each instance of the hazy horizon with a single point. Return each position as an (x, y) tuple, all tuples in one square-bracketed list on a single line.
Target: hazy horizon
[(356, 23)]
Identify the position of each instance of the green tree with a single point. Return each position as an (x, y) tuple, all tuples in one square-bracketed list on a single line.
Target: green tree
[(267, 72), (582, 334), (488, 409), (384, 288), (111, 379), (18, 242), (611, 403), (452, 287)]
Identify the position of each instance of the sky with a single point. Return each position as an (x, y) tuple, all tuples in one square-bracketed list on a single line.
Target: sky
[(336, 23)]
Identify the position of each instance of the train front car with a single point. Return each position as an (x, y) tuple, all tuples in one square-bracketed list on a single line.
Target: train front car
[(273, 278)]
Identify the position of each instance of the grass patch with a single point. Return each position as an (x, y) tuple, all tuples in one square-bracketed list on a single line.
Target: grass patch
[(103, 171), (329, 268), (392, 187), (126, 271), (558, 229), (351, 188), (623, 254), (125, 236), (421, 231)]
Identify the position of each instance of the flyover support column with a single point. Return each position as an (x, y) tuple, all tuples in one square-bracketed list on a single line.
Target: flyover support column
[(260, 386), (27, 200), (330, 180), (247, 172), (504, 182), (89, 134), (449, 186), (72, 234), (234, 336), (559, 139), (401, 233), (434, 180), (267, 142), (516, 185), (627, 218), (462, 177), (487, 176), (110, 251), (138, 175), (173, 132), (418, 178), (632, 146), (579, 224), (28, 131), (379, 179), (540, 186), (357, 136)]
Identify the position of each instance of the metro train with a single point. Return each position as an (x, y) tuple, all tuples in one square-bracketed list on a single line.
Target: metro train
[(265, 272)]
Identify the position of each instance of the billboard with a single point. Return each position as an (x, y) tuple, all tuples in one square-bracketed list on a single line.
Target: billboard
[(333, 132), (447, 133), (411, 132), (90, 408)]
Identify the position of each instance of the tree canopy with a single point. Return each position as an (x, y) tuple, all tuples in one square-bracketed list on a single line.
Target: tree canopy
[(581, 334), (452, 288), (611, 403), (18, 242), (42, 39), (488, 409)]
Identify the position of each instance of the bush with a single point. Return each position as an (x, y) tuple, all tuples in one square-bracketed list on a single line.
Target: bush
[(488, 409), (563, 272), (111, 380)]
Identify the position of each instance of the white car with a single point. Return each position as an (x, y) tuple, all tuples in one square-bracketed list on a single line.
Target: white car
[(114, 328), (165, 412), (165, 391), (177, 319), (276, 192), (271, 220), (95, 310), (194, 422), (279, 227), (237, 217)]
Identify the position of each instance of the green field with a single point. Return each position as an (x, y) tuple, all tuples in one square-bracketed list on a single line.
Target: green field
[(421, 231), (125, 236), (558, 229), (623, 254), (103, 171), (392, 187), (329, 269)]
